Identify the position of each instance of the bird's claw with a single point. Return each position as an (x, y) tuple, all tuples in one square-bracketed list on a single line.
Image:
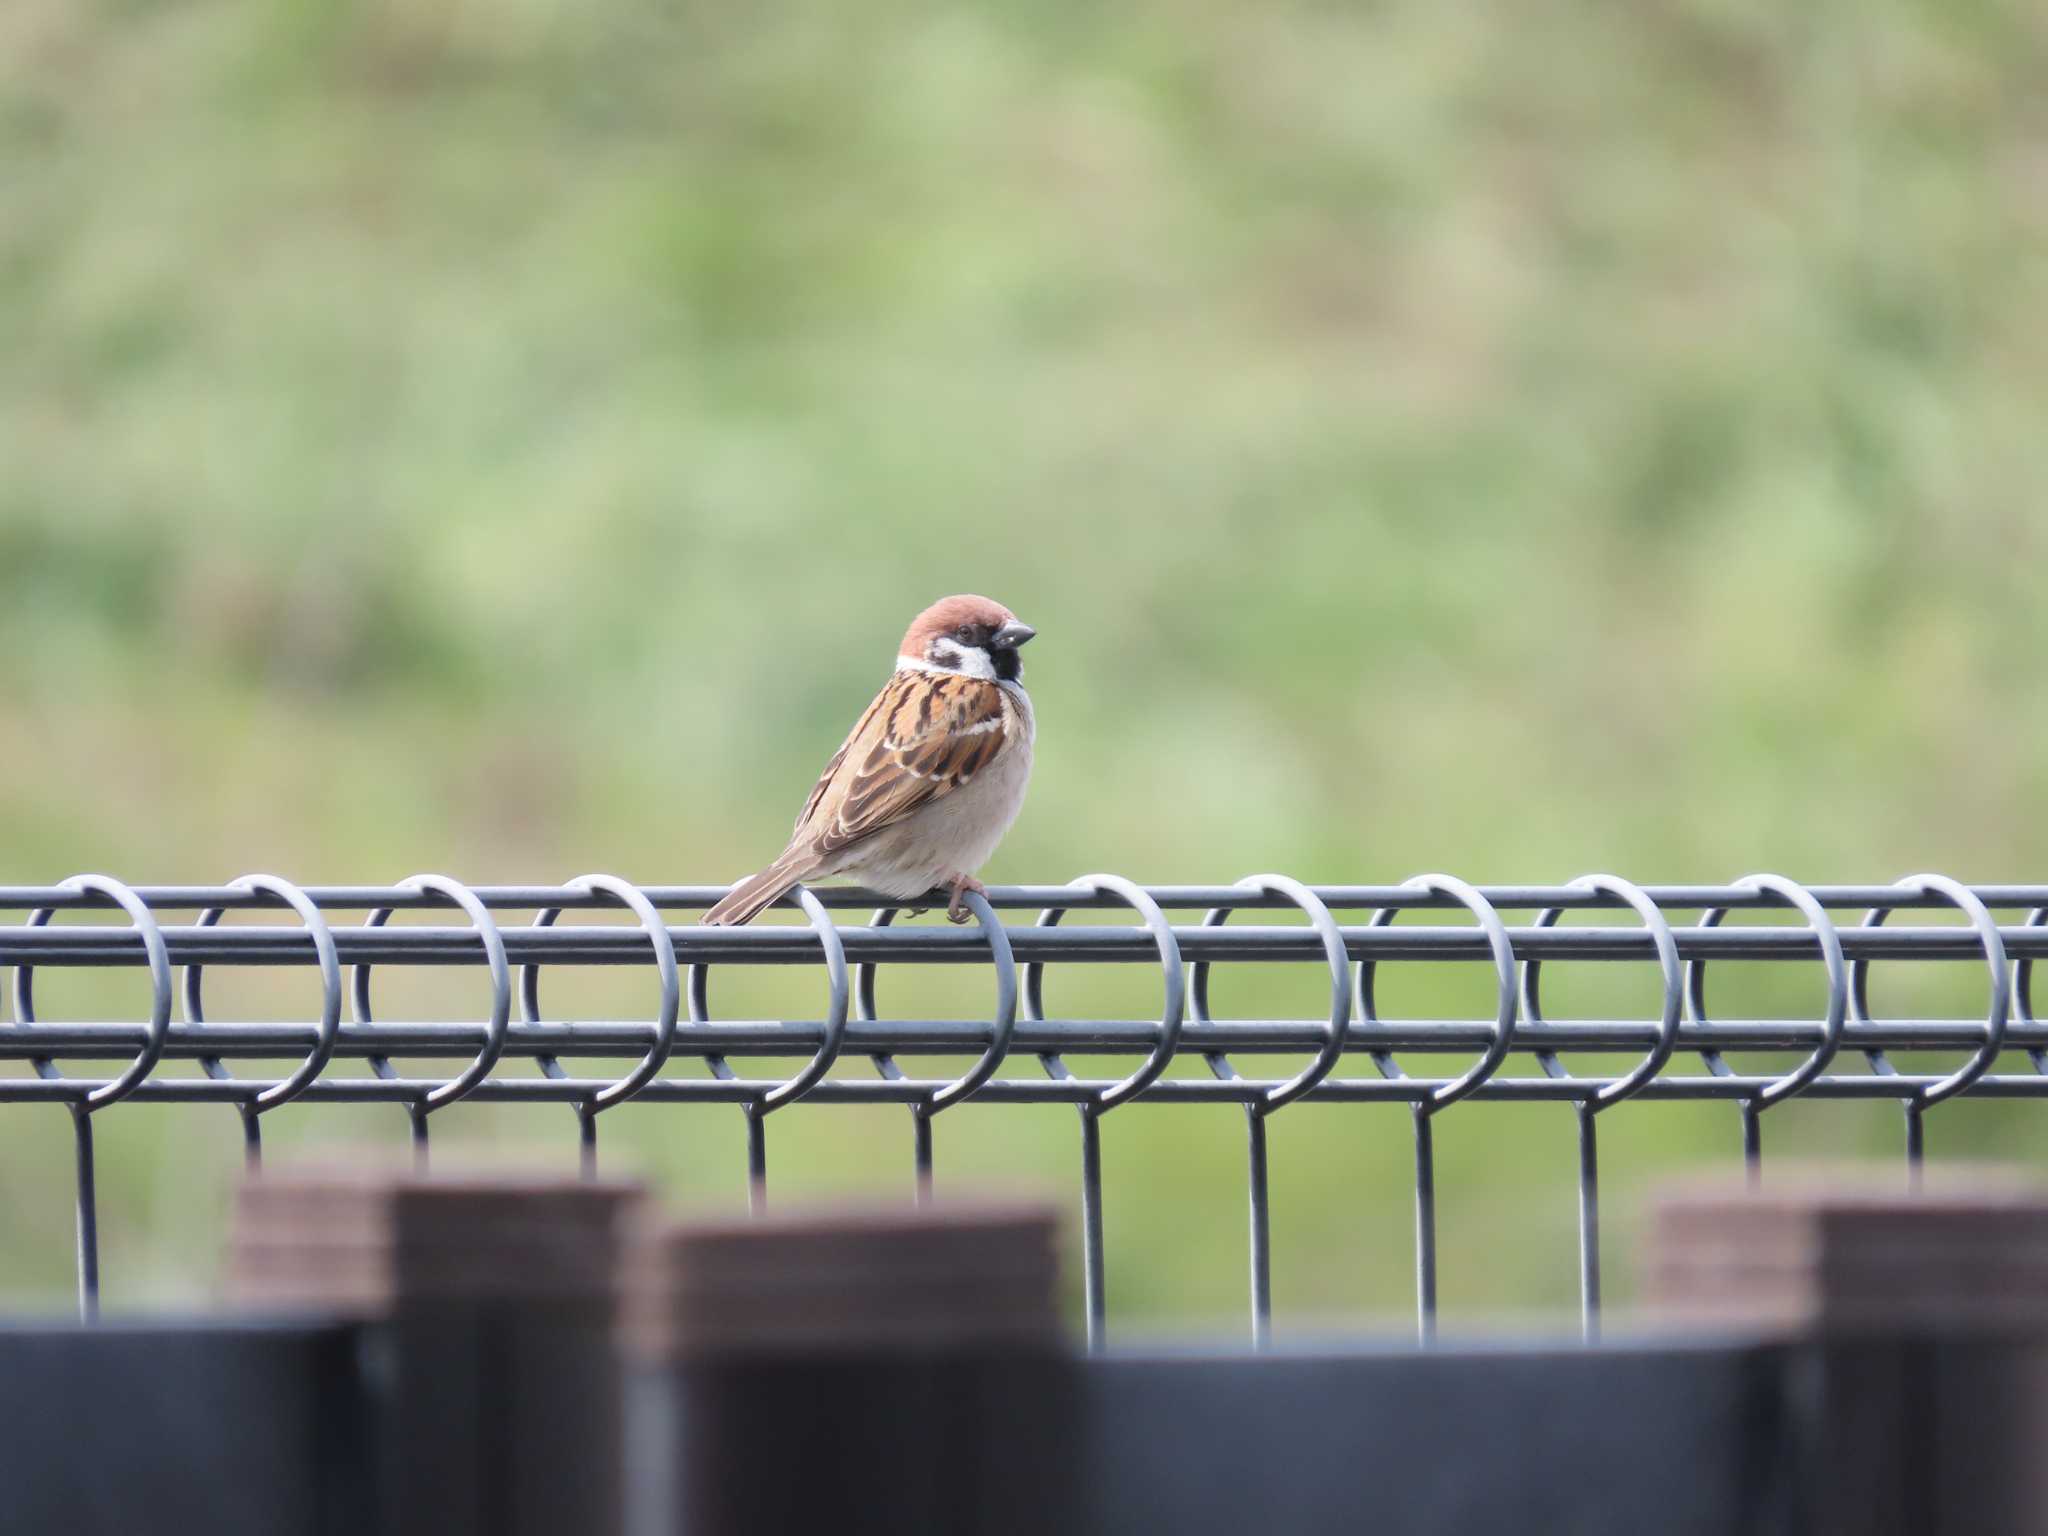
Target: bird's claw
[(956, 910)]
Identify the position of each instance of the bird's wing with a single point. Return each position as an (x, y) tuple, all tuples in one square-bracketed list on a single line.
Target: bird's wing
[(925, 735)]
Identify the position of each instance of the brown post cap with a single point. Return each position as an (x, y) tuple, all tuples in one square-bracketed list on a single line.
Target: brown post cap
[(1853, 1249), (840, 1278), (358, 1237)]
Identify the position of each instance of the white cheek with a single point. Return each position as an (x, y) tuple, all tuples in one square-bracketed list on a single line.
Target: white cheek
[(966, 660)]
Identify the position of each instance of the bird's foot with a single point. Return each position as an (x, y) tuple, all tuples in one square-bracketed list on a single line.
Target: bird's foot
[(956, 910)]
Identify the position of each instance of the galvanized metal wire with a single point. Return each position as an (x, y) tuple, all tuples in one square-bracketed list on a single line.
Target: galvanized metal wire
[(1018, 1051)]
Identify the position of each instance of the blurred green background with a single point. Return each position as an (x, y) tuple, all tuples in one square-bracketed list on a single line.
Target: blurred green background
[(1512, 439)]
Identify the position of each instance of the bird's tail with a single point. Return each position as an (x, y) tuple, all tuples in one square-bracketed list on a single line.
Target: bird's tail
[(755, 894)]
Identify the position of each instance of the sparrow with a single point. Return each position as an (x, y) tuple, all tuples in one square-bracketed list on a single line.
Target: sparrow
[(929, 778)]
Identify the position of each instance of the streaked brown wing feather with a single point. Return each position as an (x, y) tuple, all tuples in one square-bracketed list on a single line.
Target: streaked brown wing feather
[(925, 735), (860, 728)]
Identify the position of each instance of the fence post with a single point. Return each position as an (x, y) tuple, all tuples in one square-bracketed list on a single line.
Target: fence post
[(1920, 1382), (494, 1376), (882, 1370)]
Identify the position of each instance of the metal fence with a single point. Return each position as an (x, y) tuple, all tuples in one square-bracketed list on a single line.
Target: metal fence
[(1022, 1054)]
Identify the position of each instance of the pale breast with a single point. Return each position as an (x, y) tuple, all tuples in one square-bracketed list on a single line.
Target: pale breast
[(956, 833)]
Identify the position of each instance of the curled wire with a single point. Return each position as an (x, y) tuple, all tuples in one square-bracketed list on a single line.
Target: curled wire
[(158, 1032), (1168, 1044), (1674, 988), (1334, 952), (1981, 919), (1823, 926), (195, 1013), (864, 996), (835, 1020), (2023, 991), (1503, 949), (650, 1065), (1005, 1020), (329, 1031), (699, 993), (495, 1031)]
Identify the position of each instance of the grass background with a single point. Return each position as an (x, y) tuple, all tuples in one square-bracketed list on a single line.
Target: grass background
[(1508, 438)]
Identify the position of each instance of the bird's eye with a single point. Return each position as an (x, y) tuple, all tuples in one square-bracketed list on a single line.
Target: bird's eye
[(965, 633)]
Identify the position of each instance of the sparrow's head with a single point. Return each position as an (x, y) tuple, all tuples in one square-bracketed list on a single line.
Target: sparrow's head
[(969, 635)]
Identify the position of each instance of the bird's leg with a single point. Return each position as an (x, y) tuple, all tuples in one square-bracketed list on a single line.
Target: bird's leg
[(956, 911)]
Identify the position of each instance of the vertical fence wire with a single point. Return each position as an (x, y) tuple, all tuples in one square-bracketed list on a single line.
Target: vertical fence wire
[(1280, 1094), (1507, 1007), (85, 1172), (1614, 1092), (1094, 1282)]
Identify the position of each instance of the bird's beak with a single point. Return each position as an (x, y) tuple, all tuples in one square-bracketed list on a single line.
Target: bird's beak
[(1011, 635)]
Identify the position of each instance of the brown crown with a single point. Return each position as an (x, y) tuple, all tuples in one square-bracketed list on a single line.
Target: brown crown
[(947, 615)]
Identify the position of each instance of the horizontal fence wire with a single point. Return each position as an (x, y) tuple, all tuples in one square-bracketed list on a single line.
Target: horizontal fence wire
[(1021, 1052)]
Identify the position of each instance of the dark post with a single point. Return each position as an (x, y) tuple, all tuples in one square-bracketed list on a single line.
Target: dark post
[(494, 1375), (883, 1370), (1921, 1384)]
